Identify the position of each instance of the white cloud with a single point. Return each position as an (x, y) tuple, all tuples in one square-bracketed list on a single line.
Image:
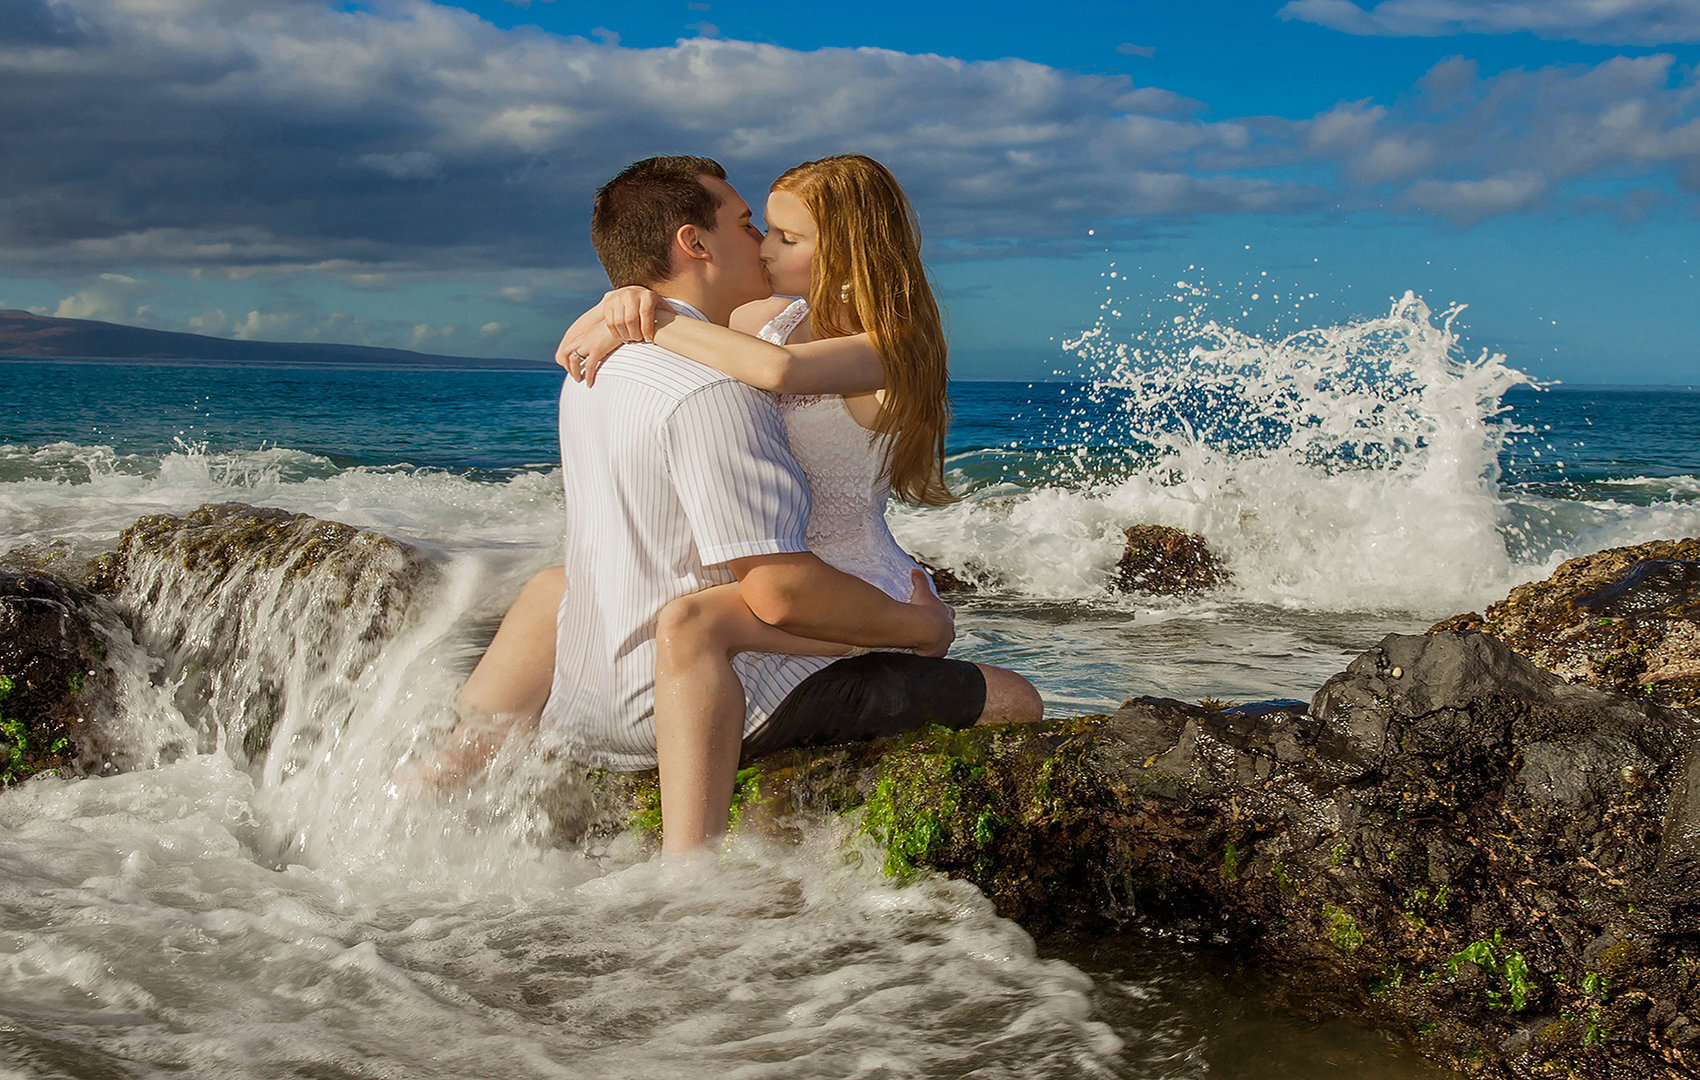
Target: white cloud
[(1128, 48), (1615, 22), (110, 298), (415, 139), (1469, 201), (426, 334), (266, 326), (213, 321)]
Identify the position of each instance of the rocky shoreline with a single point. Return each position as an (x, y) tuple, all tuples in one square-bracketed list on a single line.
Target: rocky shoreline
[(1485, 839)]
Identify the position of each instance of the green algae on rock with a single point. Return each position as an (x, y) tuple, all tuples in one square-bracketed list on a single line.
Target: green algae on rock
[(54, 682), (1452, 843)]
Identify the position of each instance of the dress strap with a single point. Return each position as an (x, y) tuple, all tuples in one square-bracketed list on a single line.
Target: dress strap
[(780, 328)]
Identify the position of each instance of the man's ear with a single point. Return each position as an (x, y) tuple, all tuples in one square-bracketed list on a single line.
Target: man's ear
[(689, 242)]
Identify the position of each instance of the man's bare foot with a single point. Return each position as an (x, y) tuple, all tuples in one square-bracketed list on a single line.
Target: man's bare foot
[(472, 745)]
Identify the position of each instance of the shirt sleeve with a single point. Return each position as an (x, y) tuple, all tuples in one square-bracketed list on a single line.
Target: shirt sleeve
[(731, 464)]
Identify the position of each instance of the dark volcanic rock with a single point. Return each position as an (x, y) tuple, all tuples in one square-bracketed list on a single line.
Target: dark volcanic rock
[(1167, 561), (1627, 619), (55, 685), (945, 580), (1461, 847)]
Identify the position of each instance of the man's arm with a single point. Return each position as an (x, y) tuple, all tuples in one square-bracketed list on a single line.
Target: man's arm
[(803, 595)]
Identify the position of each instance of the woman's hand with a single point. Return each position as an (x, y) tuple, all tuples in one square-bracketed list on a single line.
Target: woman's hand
[(584, 346), (630, 312), (625, 314)]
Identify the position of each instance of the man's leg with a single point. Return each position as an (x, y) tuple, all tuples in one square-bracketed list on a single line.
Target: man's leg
[(699, 707), (514, 674), (507, 688)]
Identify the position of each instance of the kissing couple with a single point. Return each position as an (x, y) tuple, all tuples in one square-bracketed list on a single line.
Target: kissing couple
[(730, 586)]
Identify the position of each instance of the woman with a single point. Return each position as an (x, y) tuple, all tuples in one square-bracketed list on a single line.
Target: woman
[(860, 369)]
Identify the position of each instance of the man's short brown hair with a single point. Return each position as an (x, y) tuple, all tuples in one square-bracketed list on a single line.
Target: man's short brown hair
[(635, 215)]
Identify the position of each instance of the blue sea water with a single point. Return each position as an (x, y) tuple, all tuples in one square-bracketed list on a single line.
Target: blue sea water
[(227, 918)]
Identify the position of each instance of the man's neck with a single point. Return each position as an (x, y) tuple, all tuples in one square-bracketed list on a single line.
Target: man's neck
[(694, 292)]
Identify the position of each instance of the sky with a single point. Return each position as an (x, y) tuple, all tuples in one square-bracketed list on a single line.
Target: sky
[(418, 175)]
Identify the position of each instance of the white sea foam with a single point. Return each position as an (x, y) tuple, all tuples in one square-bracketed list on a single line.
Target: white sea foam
[(86, 495)]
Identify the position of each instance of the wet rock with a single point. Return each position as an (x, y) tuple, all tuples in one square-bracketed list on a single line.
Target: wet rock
[(1467, 850), (1627, 619), (1167, 561), (946, 580), (55, 685), (253, 611)]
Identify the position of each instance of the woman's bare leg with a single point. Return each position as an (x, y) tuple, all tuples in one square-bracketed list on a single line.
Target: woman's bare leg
[(506, 689), (1009, 697), (699, 707)]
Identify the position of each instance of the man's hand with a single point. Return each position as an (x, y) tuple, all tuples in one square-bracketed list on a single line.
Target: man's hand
[(941, 613)]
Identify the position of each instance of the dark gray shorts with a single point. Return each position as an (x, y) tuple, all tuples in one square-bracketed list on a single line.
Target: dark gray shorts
[(864, 697)]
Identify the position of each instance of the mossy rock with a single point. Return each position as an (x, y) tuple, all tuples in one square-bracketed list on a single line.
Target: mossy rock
[(54, 682), (1166, 561), (209, 586), (1431, 844)]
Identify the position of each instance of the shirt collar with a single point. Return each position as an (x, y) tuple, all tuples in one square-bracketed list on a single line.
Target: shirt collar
[(685, 309)]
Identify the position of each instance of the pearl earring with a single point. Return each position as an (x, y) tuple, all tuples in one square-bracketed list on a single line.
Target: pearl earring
[(844, 294)]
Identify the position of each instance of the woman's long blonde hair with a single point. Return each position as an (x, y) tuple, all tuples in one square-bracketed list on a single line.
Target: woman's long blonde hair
[(868, 236)]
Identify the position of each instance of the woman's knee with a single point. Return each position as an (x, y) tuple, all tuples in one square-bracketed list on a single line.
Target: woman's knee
[(1009, 697), (690, 624)]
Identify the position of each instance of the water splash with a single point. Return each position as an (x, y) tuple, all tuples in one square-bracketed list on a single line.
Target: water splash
[(1349, 468)]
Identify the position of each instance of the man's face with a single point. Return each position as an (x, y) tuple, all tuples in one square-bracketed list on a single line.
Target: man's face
[(735, 244)]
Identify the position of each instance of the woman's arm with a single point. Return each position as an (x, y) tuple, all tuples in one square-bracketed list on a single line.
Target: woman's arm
[(845, 365)]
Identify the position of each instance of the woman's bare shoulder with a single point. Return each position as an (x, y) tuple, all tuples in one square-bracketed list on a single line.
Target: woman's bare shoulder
[(758, 313)]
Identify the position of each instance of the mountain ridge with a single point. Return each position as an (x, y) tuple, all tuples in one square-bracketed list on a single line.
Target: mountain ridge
[(27, 336)]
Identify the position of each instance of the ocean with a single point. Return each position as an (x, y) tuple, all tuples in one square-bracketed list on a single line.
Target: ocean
[(209, 916)]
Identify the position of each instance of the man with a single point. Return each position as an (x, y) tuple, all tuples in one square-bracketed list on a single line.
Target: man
[(679, 478)]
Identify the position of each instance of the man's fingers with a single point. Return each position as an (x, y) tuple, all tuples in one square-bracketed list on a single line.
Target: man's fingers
[(646, 315)]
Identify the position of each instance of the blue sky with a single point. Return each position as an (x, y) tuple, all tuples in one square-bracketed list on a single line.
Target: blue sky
[(418, 174)]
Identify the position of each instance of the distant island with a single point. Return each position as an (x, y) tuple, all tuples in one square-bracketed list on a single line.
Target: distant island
[(42, 337)]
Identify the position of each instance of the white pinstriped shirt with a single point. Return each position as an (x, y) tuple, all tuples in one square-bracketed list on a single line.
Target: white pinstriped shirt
[(671, 468)]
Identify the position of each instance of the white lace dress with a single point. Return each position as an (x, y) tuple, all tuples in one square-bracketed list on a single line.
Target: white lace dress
[(843, 462)]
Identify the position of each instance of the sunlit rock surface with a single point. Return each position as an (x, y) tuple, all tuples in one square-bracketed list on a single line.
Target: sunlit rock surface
[(239, 610), (1627, 619), (1465, 849)]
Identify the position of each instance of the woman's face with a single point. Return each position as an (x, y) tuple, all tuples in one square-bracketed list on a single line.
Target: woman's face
[(789, 249)]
